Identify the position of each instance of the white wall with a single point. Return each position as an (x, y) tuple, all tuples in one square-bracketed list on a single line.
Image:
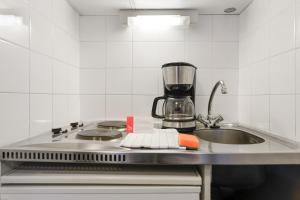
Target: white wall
[(39, 53), (270, 67), (121, 66)]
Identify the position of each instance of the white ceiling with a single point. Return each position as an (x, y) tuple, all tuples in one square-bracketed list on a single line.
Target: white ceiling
[(111, 7)]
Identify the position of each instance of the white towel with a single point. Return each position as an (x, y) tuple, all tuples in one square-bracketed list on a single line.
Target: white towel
[(159, 139)]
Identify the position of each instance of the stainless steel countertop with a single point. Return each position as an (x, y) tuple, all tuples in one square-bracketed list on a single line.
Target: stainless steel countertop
[(274, 150)]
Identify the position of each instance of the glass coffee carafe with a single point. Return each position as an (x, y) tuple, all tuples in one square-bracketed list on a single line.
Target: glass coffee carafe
[(175, 108)]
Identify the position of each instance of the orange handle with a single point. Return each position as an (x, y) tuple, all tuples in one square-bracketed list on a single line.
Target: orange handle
[(188, 141)]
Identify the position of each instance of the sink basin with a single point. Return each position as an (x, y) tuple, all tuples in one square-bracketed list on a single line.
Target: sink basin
[(228, 136)]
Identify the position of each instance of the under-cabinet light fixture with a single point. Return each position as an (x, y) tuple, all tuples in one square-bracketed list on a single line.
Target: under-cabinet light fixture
[(158, 18)]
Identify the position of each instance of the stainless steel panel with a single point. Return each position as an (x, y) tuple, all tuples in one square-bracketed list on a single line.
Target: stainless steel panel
[(274, 150), (178, 75)]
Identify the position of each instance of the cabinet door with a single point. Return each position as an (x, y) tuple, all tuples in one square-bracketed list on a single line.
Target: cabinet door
[(68, 192), (99, 196)]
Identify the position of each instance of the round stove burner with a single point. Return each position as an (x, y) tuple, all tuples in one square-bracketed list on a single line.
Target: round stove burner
[(99, 134), (112, 124)]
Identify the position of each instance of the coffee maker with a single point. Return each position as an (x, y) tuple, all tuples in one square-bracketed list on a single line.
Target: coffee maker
[(178, 109)]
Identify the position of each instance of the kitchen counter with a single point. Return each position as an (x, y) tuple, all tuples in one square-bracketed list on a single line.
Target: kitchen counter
[(67, 148)]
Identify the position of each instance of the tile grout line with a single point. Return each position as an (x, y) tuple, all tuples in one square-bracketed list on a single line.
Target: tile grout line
[(29, 72), (106, 70), (295, 74)]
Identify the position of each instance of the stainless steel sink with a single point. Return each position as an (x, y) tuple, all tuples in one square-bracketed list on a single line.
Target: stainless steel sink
[(228, 136)]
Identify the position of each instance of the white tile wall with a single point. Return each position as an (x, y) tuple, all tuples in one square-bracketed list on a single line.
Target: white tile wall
[(92, 81), (40, 113), (269, 67), (39, 58), (120, 65), (93, 55), (94, 107), (41, 73)]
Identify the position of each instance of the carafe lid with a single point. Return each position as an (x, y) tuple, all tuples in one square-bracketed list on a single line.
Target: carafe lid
[(172, 64)]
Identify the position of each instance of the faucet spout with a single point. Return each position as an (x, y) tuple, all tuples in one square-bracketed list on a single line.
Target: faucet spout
[(223, 90), (211, 121)]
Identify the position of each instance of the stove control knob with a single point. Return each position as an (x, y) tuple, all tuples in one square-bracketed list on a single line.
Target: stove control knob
[(56, 131), (65, 131), (74, 125)]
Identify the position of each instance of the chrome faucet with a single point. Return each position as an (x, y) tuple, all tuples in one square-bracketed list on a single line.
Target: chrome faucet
[(212, 121)]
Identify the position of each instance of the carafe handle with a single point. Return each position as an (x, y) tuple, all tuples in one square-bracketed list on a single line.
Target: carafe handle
[(154, 106)]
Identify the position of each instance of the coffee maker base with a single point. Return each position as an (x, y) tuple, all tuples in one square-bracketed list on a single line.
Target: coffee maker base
[(182, 126)]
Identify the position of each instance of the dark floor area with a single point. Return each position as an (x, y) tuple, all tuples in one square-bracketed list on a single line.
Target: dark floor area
[(256, 182)]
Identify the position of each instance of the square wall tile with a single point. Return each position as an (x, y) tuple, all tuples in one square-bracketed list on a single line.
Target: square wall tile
[(65, 48), (142, 105), (60, 111), (92, 81), (74, 80), (230, 77), (246, 51), (258, 12), (145, 81), (204, 81), (260, 43), (225, 28), (245, 81), (61, 78), (282, 32), (260, 112), (255, 15), (40, 74), (40, 113), (14, 73), (282, 74), (41, 33), (92, 55), (73, 108), (244, 108), (260, 78), (116, 31), (119, 54), (92, 28), (227, 106), (286, 127), (14, 117), (92, 107), (119, 81), (201, 105), (66, 17), (225, 55), (44, 7), (198, 54), (297, 71), (297, 23), (277, 6), (17, 33), (201, 31), (155, 54), (118, 107)]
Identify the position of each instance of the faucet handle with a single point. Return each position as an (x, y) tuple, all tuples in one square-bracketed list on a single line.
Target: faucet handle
[(204, 120), (200, 116), (215, 121), (218, 119)]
